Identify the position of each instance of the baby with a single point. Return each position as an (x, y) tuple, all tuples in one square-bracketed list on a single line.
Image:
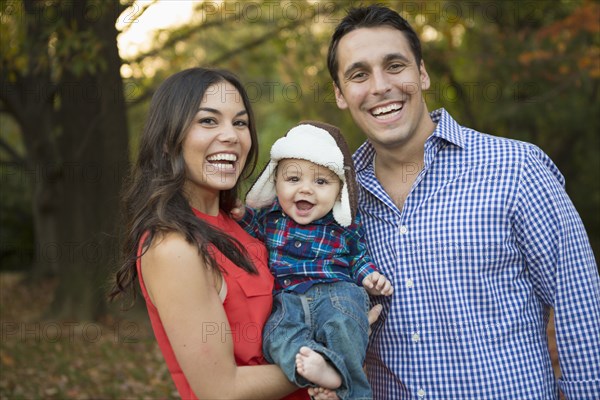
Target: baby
[(304, 207)]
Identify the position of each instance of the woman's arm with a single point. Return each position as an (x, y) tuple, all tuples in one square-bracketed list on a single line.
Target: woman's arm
[(183, 290)]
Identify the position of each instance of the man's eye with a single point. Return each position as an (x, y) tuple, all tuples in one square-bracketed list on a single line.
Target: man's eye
[(396, 67)]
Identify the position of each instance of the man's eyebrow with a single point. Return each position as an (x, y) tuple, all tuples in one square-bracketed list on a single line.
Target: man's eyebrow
[(396, 56), (354, 66)]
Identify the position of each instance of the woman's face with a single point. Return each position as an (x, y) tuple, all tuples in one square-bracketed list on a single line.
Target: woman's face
[(216, 145)]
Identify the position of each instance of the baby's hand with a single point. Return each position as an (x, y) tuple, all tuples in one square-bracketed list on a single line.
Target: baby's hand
[(377, 285), (238, 211)]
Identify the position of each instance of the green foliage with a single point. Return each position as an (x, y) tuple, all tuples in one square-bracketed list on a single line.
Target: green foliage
[(527, 70)]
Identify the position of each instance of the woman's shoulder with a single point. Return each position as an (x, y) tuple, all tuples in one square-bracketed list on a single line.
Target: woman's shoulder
[(169, 249), (165, 243)]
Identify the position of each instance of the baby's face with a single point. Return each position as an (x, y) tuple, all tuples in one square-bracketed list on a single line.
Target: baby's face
[(306, 191)]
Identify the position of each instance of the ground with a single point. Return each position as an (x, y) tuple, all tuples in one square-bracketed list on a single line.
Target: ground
[(74, 360)]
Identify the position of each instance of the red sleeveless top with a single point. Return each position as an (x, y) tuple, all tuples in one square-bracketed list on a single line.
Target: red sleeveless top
[(247, 305)]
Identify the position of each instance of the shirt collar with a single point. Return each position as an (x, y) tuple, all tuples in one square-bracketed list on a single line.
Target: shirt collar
[(446, 129)]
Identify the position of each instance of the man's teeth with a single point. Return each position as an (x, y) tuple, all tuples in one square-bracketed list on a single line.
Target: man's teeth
[(222, 157), (386, 109)]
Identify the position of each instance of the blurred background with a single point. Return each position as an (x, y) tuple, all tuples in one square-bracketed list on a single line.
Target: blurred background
[(76, 80)]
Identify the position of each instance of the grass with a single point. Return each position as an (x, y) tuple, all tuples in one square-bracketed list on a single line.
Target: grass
[(73, 360)]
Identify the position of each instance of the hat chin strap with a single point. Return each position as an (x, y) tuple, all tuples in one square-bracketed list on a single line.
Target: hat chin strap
[(341, 208)]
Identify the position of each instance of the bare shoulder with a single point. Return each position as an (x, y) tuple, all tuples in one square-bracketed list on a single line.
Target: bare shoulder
[(171, 263), (169, 245)]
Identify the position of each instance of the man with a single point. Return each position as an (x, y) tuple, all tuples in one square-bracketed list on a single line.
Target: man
[(476, 233)]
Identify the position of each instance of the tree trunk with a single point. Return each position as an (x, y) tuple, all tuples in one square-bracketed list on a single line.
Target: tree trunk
[(94, 149)]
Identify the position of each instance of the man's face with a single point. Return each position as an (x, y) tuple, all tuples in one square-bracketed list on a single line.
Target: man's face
[(381, 85)]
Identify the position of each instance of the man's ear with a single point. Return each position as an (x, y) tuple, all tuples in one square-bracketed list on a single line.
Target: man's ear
[(339, 97), (425, 82)]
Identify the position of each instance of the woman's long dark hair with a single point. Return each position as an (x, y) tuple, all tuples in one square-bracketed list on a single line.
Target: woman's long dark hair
[(153, 199)]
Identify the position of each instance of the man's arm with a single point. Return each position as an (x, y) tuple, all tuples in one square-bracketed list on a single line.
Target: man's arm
[(561, 263)]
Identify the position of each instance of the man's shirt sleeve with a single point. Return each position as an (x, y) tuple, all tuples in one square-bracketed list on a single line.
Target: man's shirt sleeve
[(563, 272)]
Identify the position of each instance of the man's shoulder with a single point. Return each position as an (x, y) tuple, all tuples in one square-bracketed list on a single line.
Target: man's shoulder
[(500, 147)]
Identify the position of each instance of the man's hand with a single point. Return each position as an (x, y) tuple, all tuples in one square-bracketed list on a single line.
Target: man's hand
[(377, 284)]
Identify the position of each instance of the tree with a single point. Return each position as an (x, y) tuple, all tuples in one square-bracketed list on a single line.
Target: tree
[(60, 79)]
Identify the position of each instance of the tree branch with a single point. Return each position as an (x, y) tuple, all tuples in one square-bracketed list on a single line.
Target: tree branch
[(184, 34), (223, 57)]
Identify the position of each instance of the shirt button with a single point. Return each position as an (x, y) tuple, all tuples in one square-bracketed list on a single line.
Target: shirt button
[(409, 283), (297, 244), (421, 393), (287, 282), (333, 233), (415, 337), (276, 220), (403, 230)]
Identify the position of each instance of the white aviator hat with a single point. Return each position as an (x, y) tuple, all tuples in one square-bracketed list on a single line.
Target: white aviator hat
[(322, 144)]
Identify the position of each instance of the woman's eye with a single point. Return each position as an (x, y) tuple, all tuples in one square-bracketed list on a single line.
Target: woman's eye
[(240, 123), (207, 121)]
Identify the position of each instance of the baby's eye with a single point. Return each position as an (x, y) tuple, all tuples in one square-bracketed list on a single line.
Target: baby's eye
[(322, 181), (292, 179)]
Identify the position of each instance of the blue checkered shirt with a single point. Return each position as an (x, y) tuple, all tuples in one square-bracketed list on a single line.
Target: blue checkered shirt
[(486, 244), (302, 255)]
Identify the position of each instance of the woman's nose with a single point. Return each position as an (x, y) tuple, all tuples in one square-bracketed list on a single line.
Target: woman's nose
[(229, 135)]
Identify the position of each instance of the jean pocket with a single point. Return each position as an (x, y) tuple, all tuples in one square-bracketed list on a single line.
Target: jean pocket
[(353, 301), (277, 314)]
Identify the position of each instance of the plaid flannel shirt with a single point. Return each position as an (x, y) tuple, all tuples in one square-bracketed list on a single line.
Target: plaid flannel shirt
[(487, 242), (303, 255)]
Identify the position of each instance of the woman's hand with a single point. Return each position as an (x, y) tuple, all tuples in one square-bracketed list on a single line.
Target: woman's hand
[(238, 210), (320, 393)]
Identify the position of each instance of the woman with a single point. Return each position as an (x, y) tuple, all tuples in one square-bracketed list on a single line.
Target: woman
[(205, 281)]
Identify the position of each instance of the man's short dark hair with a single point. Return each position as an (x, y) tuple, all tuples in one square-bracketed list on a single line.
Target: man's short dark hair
[(372, 16)]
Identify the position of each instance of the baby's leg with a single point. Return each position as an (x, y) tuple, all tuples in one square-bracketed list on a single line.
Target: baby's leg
[(312, 366)]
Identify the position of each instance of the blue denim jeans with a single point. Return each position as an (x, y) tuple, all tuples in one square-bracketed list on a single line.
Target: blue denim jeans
[(329, 318)]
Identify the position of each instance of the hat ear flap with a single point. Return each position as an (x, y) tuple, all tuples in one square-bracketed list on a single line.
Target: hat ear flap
[(341, 208), (352, 189), (262, 193)]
